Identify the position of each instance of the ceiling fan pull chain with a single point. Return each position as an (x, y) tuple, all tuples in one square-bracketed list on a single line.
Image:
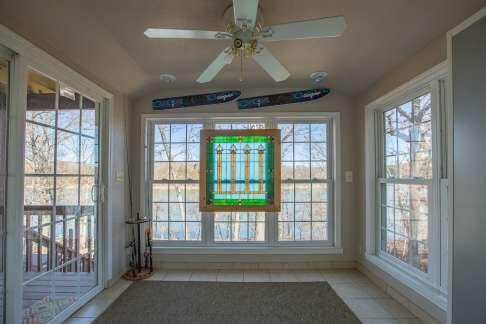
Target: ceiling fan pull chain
[(241, 67)]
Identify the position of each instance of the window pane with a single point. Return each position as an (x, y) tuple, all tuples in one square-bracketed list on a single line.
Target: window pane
[(178, 152), (318, 132), (176, 156), (318, 151), (160, 212), (177, 133), (177, 231), (88, 155), (287, 151), (408, 140), (286, 132), (161, 152), (161, 133), (405, 216), (286, 231), (319, 231), (39, 149), (161, 170), (302, 192), (193, 231), (306, 146), (302, 231), (67, 153), (301, 132), (69, 119), (302, 151), (193, 132), (160, 230), (160, 192), (38, 190), (67, 191), (287, 192), (319, 170)]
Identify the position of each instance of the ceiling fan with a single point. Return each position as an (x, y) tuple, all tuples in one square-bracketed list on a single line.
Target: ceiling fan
[(243, 22)]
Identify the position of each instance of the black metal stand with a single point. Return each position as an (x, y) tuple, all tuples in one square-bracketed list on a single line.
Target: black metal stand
[(137, 272)]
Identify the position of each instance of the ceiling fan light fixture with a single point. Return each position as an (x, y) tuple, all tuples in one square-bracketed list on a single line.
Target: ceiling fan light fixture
[(318, 76)]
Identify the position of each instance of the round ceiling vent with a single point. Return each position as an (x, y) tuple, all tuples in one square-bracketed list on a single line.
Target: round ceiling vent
[(167, 78), (318, 76)]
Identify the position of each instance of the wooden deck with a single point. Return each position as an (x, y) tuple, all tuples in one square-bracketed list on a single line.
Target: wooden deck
[(52, 292)]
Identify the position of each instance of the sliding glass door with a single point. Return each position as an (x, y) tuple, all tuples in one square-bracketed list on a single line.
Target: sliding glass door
[(60, 259), (4, 91)]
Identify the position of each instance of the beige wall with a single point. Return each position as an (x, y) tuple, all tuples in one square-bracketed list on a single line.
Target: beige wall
[(431, 55), (118, 202), (332, 103)]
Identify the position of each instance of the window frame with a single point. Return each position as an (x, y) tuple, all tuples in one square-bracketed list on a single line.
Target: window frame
[(271, 243), (435, 280)]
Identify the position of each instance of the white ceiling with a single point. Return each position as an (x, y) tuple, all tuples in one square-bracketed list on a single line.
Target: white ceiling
[(104, 40)]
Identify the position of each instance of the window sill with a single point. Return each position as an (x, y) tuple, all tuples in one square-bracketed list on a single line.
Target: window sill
[(434, 295), (160, 250)]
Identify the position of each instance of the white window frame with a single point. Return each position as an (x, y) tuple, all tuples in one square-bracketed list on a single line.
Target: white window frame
[(433, 284), (271, 244)]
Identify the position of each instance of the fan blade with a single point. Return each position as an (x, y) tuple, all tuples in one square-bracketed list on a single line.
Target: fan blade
[(316, 28), (225, 57), (185, 33), (245, 12), (270, 64)]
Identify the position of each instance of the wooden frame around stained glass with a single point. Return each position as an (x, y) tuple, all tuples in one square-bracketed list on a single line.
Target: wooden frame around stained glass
[(240, 170)]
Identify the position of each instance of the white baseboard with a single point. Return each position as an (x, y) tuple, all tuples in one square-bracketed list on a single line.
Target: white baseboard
[(312, 265)]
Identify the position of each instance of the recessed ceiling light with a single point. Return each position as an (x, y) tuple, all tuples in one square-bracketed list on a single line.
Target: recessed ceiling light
[(318, 76), (167, 78)]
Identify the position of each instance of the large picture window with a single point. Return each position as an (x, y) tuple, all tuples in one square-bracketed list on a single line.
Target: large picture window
[(307, 199)]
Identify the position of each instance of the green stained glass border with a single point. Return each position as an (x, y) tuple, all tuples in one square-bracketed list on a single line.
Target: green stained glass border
[(268, 170)]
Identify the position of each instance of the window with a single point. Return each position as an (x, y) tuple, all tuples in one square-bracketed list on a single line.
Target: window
[(308, 210), (303, 215), (175, 182), (407, 181)]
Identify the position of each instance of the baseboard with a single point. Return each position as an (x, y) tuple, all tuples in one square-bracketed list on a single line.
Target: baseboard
[(427, 311), (312, 265)]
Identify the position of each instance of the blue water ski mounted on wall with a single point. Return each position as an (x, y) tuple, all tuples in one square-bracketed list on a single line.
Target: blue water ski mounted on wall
[(195, 100), (282, 98)]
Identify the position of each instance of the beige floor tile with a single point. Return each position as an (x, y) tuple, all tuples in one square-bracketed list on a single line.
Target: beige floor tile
[(308, 276), (204, 275), (93, 309), (339, 276), (283, 276), (354, 290), (177, 275), (395, 308), (230, 276), (80, 320), (391, 321), (157, 275), (368, 308), (256, 276)]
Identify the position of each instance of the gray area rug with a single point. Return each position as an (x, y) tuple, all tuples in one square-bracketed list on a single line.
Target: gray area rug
[(228, 302)]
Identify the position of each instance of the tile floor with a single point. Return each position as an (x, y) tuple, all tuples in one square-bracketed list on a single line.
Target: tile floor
[(367, 301)]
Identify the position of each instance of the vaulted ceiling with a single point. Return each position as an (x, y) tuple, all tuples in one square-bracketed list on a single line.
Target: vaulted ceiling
[(103, 39)]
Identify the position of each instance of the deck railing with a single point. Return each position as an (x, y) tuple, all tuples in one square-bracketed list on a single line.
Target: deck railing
[(69, 232)]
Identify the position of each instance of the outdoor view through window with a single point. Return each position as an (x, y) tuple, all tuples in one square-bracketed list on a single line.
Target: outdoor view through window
[(407, 181)]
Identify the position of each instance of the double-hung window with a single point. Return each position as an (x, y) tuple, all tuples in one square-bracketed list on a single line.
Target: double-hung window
[(406, 181), (308, 185)]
